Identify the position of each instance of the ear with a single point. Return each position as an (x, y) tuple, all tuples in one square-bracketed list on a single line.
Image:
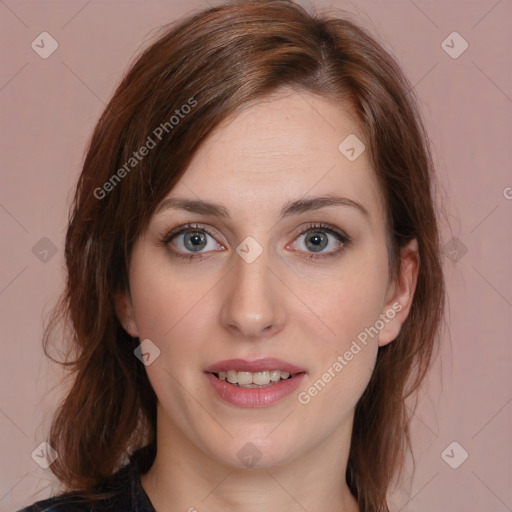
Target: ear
[(400, 294), (124, 311)]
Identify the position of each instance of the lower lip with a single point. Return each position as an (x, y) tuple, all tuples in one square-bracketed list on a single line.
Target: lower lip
[(255, 397)]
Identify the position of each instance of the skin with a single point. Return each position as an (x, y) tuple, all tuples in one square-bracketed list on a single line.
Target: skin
[(304, 311)]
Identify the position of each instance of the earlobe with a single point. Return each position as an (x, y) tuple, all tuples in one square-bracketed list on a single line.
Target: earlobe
[(400, 294), (125, 313)]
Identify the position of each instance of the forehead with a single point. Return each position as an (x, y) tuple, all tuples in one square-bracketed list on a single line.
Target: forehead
[(280, 148)]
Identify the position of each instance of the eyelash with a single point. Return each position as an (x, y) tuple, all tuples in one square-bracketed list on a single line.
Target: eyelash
[(339, 235)]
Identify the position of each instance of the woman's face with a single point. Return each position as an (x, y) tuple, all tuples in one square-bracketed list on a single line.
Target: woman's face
[(285, 257)]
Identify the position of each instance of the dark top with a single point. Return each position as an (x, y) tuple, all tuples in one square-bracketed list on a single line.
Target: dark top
[(125, 483)]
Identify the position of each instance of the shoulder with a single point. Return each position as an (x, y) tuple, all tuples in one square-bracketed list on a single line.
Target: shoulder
[(123, 492), (119, 501), (57, 504)]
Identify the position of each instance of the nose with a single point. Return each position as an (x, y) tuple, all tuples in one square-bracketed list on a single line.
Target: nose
[(252, 307)]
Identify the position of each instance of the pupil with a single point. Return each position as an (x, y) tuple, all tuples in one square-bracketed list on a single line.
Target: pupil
[(197, 241), (317, 241)]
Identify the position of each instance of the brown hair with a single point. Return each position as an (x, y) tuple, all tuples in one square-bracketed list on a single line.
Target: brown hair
[(217, 61)]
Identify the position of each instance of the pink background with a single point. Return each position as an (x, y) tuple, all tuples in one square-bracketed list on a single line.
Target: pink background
[(48, 110)]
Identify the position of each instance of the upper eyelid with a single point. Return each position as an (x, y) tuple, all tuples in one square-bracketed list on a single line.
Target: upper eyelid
[(179, 230)]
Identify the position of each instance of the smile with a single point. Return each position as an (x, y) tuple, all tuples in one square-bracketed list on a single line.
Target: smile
[(253, 379), (254, 383)]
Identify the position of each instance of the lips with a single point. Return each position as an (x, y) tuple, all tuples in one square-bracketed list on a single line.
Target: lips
[(253, 395), (259, 365)]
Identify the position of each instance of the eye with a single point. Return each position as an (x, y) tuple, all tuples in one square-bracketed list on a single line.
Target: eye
[(190, 240), (194, 241), (320, 240)]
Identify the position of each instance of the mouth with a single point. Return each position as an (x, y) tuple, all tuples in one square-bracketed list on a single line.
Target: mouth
[(260, 372), (254, 383), (249, 380)]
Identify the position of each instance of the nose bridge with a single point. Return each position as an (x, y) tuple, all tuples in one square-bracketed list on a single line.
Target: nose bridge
[(251, 304)]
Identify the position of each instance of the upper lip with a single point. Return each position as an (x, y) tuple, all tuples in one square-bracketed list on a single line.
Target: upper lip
[(259, 365)]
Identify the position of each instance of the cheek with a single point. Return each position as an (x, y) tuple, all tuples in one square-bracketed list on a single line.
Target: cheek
[(162, 298), (344, 354), (175, 310), (346, 299), (344, 335), (170, 311)]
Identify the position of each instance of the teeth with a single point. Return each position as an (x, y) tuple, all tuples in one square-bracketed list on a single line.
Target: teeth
[(260, 378), (275, 375), (248, 378), (244, 378)]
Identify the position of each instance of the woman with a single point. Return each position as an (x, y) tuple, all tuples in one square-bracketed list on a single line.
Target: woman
[(254, 273)]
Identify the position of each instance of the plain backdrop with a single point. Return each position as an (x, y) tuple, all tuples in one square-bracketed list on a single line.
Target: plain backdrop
[(49, 107)]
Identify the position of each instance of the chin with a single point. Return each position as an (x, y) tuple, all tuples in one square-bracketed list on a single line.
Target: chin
[(257, 450)]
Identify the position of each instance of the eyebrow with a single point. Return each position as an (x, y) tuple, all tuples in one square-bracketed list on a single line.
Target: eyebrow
[(290, 208)]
